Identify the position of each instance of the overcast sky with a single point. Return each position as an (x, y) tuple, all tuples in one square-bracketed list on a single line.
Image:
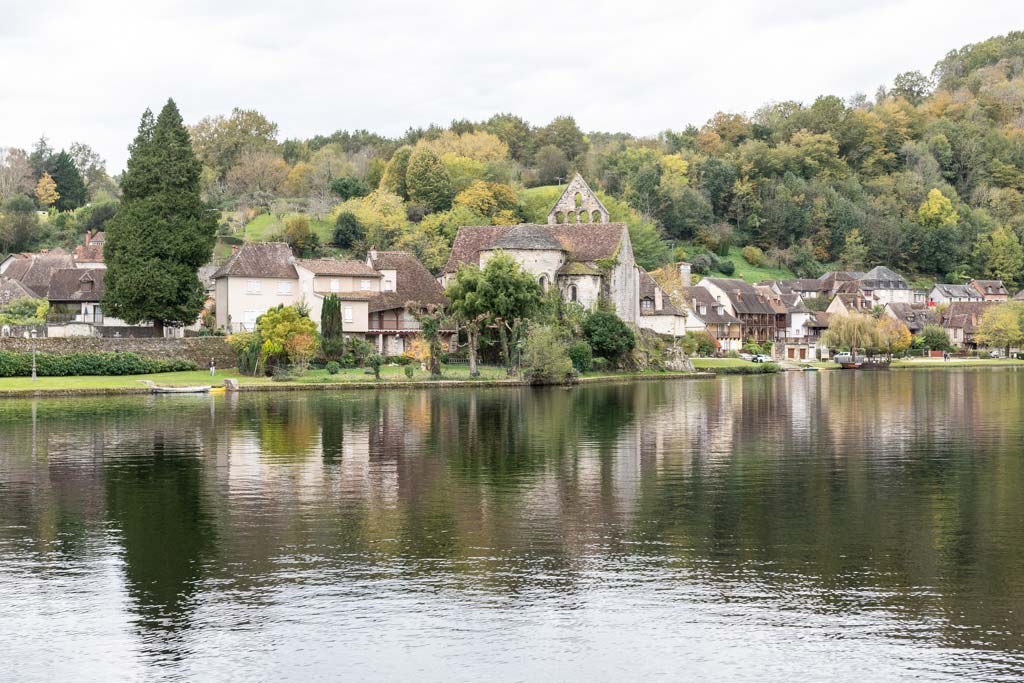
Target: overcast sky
[(86, 70)]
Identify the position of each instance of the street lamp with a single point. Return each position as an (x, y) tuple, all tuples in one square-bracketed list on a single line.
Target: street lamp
[(33, 355)]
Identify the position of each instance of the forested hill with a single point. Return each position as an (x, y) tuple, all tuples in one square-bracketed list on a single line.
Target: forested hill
[(926, 177)]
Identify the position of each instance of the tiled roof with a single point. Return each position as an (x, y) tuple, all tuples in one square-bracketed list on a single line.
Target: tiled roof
[(745, 298), (1019, 296), (34, 271), (695, 296), (330, 266), (965, 315), (583, 241), (413, 282), (820, 320), (577, 268), (982, 287), (72, 284), (914, 316), (527, 237), (260, 259), (89, 253), (647, 291), (12, 290), (794, 304)]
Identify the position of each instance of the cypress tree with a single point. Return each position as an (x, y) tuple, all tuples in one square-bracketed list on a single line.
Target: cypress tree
[(70, 185), (162, 232), (331, 331)]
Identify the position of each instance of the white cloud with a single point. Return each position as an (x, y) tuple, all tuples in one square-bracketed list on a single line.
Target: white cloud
[(85, 71)]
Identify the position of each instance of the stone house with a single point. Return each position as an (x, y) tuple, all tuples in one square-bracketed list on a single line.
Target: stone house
[(405, 283), (583, 259), (75, 297), (658, 312), (708, 314), (847, 303), (886, 286), (990, 290), (914, 316), (961, 320), (263, 275)]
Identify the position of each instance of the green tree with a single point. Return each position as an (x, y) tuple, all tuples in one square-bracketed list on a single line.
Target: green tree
[(70, 186), (511, 295), (162, 233), (563, 133), (855, 252), (546, 356), (468, 302), (394, 178), (1001, 256), (332, 328), (428, 182), (854, 332), (1002, 326), (19, 224), (608, 336), (276, 328), (348, 187), (348, 230), (552, 165), (221, 141), (935, 338), (432, 321), (936, 240), (303, 241)]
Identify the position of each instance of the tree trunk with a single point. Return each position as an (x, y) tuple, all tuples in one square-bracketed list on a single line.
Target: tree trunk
[(472, 333), (503, 336)]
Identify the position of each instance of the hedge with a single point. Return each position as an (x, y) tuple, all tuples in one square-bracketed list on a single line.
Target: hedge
[(13, 364)]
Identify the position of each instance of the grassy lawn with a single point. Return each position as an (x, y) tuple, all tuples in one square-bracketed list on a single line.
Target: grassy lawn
[(710, 363), (745, 271), (266, 225), (938, 363)]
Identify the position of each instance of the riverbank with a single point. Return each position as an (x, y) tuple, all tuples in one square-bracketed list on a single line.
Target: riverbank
[(931, 364), (314, 380)]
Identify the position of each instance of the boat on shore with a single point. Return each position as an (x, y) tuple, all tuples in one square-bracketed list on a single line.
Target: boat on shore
[(156, 389)]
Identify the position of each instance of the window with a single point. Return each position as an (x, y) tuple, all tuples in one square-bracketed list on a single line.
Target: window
[(387, 285), (335, 285), (253, 287), (646, 305), (284, 288), (364, 285), (348, 314), (543, 282), (572, 293)]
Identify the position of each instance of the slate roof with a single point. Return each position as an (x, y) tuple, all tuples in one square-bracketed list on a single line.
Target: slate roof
[(820, 320), (647, 287), (914, 316), (34, 271), (12, 290), (885, 277), (794, 304), (745, 298), (330, 266), (965, 315), (1019, 296), (695, 296), (260, 259), (958, 291), (413, 282), (586, 242), (71, 284)]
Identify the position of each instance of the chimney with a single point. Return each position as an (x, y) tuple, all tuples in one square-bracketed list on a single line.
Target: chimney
[(88, 238), (373, 253), (693, 303), (234, 249), (684, 273), (657, 299)]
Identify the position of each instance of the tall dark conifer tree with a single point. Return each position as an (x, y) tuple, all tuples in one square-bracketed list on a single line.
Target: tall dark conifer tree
[(162, 233), (70, 185)]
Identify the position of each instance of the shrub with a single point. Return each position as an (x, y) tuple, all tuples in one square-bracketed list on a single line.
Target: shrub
[(581, 355), (409, 371), (375, 360), (726, 267), (702, 264), (13, 364), (333, 367), (398, 360), (546, 357), (702, 343), (753, 256), (608, 336)]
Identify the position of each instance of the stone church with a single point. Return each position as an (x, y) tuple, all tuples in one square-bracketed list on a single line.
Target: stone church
[(580, 254)]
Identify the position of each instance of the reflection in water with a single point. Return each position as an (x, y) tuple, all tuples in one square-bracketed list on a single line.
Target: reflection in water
[(858, 525)]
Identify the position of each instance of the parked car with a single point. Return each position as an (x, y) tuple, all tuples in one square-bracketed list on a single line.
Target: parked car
[(995, 354), (847, 357), (762, 358)]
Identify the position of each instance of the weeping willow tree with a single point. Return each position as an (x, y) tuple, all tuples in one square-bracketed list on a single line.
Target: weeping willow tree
[(854, 332)]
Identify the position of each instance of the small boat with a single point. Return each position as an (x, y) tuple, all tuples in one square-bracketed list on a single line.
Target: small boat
[(175, 390), (809, 368)]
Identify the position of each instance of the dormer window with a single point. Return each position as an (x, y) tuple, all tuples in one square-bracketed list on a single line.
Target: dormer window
[(646, 304)]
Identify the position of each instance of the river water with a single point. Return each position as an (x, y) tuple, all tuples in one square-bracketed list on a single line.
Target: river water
[(810, 526)]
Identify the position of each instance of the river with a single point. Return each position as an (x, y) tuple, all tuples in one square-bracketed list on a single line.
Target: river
[(809, 526)]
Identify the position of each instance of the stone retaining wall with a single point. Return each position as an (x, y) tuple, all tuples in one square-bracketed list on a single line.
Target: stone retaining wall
[(197, 349)]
